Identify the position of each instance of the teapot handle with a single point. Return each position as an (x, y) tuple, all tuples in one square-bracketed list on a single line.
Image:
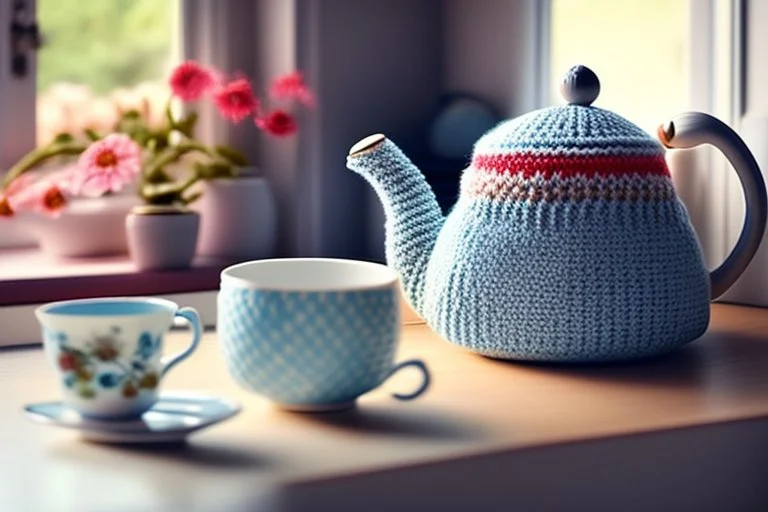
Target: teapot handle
[(694, 128)]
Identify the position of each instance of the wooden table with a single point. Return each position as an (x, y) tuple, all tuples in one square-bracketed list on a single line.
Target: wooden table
[(688, 431)]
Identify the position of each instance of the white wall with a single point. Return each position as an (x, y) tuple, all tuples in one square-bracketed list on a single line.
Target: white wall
[(376, 67), (490, 49), (387, 76)]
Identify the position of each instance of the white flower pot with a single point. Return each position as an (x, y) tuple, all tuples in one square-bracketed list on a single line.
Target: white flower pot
[(162, 237), (238, 219), (87, 227), (14, 234)]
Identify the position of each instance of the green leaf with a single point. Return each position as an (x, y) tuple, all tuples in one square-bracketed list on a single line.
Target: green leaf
[(63, 138), (161, 189), (214, 170), (131, 115), (158, 176), (159, 141), (234, 156), (187, 125), (91, 134), (192, 197), (164, 193)]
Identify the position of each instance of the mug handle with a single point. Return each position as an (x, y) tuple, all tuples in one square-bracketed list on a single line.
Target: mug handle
[(694, 128), (190, 315), (417, 363)]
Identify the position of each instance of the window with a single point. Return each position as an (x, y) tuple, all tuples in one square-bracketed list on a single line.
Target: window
[(638, 48), (99, 57), (655, 59), (96, 59)]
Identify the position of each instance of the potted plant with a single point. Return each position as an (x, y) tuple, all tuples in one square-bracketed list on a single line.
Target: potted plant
[(238, 212), (240, 200), (162, 233), (70, 213), (168, 168)]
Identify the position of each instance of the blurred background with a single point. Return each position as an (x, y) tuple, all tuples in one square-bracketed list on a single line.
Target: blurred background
[(101, 56), (503, 58)]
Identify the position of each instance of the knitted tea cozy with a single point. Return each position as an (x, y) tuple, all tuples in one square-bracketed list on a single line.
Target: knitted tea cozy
[(567, 243)]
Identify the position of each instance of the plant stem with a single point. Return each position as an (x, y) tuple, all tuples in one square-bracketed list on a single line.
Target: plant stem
[(37, 157), (169, 113), (173, 154)]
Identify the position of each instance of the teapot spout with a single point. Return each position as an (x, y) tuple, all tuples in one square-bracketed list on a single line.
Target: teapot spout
[(413, 217)]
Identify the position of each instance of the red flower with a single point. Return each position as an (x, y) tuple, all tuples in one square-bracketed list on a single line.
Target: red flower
[(278, 123), (292, 86), (67, 361), (235, 100), (190, 81), (53, 200), (5, 208)]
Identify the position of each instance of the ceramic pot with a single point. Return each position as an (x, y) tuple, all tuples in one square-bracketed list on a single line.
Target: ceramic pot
[(87, 227), (15, 234), (162, 237), (238, 218)]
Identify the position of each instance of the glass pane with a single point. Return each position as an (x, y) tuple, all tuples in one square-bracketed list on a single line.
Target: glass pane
[(638, 48), (101, 56)]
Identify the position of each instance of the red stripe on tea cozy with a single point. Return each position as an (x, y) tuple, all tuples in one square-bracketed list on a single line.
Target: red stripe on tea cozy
[(567, 166)]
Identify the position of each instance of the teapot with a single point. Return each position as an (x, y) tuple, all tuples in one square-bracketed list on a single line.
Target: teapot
[(567, 242)]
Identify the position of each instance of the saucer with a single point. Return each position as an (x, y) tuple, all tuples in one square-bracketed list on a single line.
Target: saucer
[(171, 419)]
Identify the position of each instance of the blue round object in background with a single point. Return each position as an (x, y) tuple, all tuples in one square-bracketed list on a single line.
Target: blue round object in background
[(457, 127)]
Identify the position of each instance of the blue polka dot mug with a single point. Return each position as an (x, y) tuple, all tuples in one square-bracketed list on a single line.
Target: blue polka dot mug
[(108, 351), (312, 334)]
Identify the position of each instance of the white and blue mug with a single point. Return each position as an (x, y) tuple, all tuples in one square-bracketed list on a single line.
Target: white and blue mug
[(311, 334), (108, 351)]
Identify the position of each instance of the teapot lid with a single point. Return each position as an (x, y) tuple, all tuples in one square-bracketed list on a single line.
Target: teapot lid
[(568, 141)]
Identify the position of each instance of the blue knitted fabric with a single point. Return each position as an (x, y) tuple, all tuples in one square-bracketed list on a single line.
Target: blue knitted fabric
[(567, 243)]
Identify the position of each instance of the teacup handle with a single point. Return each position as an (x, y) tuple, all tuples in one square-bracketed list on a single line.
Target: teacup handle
[(418, 363), (190, 315)]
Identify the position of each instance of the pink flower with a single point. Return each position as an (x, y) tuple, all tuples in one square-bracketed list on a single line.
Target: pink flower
[(19, 184), (43, 195), (107, 165), (190, 81), (235, 100), (292, 86), (67, 179), (278, 123)]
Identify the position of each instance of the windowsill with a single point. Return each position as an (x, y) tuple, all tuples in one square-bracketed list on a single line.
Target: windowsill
[(27, 276), (484, 431)]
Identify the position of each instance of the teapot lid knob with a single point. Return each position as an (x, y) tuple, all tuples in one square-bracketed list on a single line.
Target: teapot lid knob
[(580, 86)]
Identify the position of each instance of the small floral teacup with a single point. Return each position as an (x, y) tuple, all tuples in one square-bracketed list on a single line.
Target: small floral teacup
[(107, 351)]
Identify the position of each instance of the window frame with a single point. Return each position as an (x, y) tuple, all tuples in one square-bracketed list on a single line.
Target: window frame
[(716, 50), (18, 97)]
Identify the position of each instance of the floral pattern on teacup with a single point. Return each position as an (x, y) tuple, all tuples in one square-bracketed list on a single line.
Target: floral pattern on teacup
[(101, 364)]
